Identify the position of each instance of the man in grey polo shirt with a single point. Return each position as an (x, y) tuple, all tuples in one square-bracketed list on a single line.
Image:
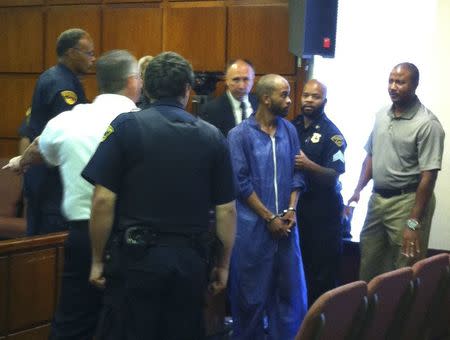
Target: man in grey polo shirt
[(404, 155)]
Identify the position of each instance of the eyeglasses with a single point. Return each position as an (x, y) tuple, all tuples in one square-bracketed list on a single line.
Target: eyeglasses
[(90, 54)]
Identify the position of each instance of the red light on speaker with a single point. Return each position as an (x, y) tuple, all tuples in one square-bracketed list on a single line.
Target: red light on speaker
[(326, 43)]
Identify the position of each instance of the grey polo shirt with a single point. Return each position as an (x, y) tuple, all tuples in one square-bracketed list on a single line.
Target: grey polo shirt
[(401, 148)]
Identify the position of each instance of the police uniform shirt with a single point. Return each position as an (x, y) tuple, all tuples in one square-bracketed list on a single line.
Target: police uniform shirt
[(164, 164), (323, 143), (69, 140), (58, 89)]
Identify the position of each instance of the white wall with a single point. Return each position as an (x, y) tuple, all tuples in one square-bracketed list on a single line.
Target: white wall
[(372, 37)]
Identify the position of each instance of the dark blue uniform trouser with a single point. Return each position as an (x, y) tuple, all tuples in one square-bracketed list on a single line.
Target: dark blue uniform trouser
[(320, 226), (43, 193), (80, 302), (158, 295)]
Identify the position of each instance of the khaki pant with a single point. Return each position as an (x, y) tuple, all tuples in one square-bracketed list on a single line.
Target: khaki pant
[(382, 234)]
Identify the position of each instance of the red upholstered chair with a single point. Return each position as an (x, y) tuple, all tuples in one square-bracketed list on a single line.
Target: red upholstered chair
[(386, 292), (336, 314), (428, 277), (440, 323), (11, 224)]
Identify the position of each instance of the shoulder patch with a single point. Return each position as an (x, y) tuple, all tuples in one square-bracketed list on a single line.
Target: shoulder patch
[(69, 97), (108, 132), (338, 140)]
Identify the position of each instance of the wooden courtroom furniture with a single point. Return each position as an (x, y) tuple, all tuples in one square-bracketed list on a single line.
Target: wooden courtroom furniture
[(30, 270)]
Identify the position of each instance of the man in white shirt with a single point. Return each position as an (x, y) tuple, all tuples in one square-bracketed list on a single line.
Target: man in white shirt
[(68, 141), (236, 104)]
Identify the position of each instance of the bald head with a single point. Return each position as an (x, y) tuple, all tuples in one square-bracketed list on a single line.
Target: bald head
[(239, 78), (314, 98), (273, 91)]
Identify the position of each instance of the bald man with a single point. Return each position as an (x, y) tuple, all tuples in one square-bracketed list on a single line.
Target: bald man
[(267, 279), (319, 210), (404, 156), (236, 104)]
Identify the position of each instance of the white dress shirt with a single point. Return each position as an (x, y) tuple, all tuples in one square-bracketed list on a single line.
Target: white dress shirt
[(236, 106)]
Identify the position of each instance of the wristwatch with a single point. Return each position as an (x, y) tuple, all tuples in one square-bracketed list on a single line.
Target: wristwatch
[(412, 224)]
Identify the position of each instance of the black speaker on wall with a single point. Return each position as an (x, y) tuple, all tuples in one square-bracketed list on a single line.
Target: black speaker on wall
[(312, 27)]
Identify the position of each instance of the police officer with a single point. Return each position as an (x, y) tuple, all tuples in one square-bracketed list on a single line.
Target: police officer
[(156, 174), (58, 89), (319, 210)]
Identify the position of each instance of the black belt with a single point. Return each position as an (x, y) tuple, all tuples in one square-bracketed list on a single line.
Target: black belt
[(148, 237), (79, 224), (387, 193)]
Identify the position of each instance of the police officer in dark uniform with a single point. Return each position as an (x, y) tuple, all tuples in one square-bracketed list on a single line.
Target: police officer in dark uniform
[(58, 89), (157, 173), (319, 210)]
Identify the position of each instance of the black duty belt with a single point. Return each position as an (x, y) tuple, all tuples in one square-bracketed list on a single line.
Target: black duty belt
[(149, 237), (387, 193)]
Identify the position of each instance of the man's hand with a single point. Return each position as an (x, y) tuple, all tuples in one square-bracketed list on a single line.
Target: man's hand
[(218, 278), (355, 197), (411, 243), (96, 278), (279, 227), (14, 165), (302, 162), (289, 218)]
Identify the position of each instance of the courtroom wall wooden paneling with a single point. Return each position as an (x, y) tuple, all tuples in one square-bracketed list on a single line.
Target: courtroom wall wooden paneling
[(136, 28), (209, 33), (90, 86), (15, 99), (60, 18), (21, 39), (5, 3), (197, 33), (260, 34), (37, 333)]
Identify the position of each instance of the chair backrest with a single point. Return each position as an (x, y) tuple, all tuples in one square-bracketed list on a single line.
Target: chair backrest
[(10, 191), (440, 325), (385, 292), (427, 275), (333, 314)]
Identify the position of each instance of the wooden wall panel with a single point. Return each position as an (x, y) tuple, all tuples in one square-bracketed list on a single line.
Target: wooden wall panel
[(15, 98), (123, 1), (9, 147), (71, 2), (60, 18), (260, 34), (39, 265), (5, 3), (90, 86), (137, 29), (21, 39), (4, 277), (198, 34), (37, 333)]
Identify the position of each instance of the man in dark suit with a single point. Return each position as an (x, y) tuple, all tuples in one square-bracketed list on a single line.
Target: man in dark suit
[(236, 104)]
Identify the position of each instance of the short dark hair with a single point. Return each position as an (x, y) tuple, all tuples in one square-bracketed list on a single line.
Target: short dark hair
[(113, 69), (69, 39), (413, 71), (167, 75)]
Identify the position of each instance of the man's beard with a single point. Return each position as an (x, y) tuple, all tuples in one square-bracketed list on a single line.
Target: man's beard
[(316, 112)]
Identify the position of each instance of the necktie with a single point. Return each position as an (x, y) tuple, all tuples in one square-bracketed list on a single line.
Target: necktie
[(243, 116)]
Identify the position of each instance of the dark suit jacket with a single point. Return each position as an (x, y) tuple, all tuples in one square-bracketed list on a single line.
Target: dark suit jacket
[(219, 112)]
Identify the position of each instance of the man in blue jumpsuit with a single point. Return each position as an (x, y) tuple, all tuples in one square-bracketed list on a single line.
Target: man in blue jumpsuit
[(157, 173), (58, 89), (267, 280), (319, 211)]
